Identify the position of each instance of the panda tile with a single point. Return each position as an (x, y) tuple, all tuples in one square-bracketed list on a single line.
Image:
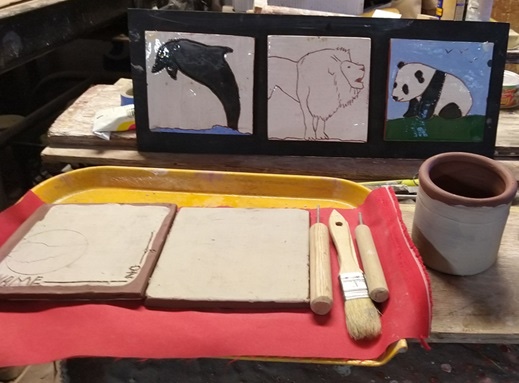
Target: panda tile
[(437, 90)]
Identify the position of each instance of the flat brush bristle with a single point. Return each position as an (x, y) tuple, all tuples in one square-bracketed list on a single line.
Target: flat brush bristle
[(362, 319)]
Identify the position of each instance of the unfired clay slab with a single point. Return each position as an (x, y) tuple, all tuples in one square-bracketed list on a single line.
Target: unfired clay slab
[(233, 258), (84, 251)]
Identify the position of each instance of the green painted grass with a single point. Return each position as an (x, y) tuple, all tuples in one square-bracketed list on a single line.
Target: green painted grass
[(466, 129)]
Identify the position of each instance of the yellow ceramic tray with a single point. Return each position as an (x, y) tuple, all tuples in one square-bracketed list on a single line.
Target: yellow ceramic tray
[(210, 189)]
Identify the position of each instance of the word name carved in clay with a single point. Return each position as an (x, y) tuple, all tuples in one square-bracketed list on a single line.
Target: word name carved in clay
[(15, 280)]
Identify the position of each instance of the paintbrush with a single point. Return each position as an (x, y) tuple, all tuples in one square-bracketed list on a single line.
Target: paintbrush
[(362, 317), (321, 295), (377, 285)]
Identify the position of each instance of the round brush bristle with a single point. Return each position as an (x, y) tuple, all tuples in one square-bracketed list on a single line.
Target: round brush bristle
[(362, 319)]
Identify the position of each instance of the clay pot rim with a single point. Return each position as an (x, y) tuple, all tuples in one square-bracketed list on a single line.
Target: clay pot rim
[(503, 172)]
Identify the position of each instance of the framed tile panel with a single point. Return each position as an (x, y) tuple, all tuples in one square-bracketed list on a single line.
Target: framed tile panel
[(271, 84)]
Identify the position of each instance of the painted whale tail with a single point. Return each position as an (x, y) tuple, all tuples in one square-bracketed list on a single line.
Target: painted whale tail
[(225, 87), (230, 98)]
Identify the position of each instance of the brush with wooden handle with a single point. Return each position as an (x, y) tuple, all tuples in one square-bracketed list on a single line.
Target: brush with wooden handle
[(321, 295), (377, 285), (362, 317)]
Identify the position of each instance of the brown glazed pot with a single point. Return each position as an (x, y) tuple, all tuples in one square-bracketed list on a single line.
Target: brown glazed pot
[(461, 211)]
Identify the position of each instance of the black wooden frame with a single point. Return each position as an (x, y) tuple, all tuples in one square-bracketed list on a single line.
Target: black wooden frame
[(259, 26)]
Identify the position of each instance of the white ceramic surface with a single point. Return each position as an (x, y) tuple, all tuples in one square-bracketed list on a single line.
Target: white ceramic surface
[(318, 88), (186, 104), (465, 239)]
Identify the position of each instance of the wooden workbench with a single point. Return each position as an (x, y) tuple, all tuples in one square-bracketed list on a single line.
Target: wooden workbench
[(482, 308), (70, 140)]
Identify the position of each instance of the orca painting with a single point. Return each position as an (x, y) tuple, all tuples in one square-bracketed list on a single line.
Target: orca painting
[(204, 64), (200, 84)]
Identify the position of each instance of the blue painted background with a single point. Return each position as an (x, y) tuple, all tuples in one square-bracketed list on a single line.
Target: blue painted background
[(466, 60)]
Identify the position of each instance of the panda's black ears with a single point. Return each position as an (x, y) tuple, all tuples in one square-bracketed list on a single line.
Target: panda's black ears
[(400, 64)]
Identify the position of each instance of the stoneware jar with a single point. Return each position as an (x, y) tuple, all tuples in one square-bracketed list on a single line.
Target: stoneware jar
[(461, 210)]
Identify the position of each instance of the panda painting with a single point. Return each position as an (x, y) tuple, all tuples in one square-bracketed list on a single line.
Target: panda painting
[(430, 92)]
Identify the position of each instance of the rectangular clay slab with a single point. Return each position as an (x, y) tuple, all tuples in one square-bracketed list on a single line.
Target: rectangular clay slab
[(84, 251), (233, 258)]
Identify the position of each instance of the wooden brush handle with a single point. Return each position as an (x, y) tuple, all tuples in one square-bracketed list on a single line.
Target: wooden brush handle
[(362, 317), (321, 295), (340, 231), (373, 271)]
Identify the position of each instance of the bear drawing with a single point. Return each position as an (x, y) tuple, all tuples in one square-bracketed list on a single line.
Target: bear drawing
[(430, 92)]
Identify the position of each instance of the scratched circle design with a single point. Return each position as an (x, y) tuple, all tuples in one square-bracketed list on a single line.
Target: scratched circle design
[(47, 251)]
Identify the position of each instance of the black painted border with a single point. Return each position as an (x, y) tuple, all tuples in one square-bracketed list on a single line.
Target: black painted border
[(260, 26)]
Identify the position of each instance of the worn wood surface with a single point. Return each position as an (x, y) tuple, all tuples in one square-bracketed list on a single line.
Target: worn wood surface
[(481, 308), (70, 140), (356, 169), (73, 128), (507, 140), (6, 3), (14, 7)]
